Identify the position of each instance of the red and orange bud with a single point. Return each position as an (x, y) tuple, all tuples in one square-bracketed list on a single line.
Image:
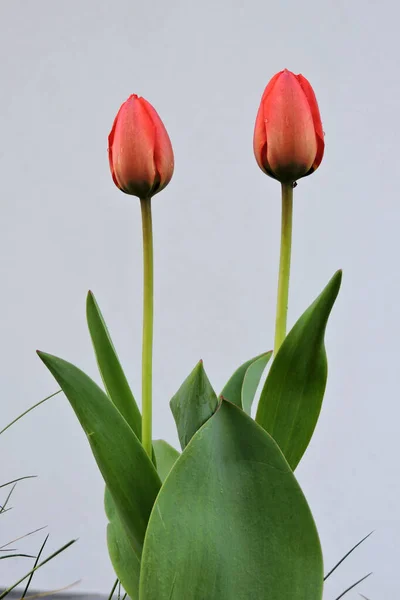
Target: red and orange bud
[(139, 149), (288, 136)]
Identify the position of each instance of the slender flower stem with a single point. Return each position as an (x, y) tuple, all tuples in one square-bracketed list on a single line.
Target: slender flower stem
[(284, 265), (147, 347)]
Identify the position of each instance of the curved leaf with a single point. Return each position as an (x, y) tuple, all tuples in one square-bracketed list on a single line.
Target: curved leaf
[(123, 557), (233, 389), (125, 466), (110, 368), (231, 521), (166, 457), (252, 379), (193, 404), (292, 396)]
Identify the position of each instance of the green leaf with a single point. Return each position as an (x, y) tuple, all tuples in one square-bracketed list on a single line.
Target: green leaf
[(193, 404), (110, 368), (233, 390), (166, 457), (252, 379), (123, 557), (127, 471), (122, 554), (231, 521), (291, 400)]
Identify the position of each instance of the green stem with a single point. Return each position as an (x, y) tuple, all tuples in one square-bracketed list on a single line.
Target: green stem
[(284, 265), (147, 347)]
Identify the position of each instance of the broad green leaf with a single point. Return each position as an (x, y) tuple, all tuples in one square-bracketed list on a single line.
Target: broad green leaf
[(193, 404), (252, 379), (292, 396), (127, 471), (121, 550), (166, 456), (231, 521), (110, 368), (234, 387)]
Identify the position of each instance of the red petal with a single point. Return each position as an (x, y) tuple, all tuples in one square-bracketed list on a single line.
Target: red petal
[(131, 148), (260, 133), (312, 101), (163, 154)]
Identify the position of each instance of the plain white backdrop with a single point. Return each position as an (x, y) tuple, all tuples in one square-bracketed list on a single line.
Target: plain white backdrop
[(65, 228)]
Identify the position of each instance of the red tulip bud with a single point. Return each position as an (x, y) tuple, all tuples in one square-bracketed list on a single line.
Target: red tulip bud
[(288, 136), (139, 149)]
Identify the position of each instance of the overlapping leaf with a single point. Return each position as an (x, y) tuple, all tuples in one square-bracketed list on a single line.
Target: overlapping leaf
[(123, 557), (240, 393), (251, 380), (231, 521), (166, 457)]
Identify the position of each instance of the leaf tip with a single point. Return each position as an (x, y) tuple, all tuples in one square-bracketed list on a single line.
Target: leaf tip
[(199, 367), (90, 299), (338, 275)]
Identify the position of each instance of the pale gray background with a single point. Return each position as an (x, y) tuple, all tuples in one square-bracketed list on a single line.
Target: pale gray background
[(66, 67)]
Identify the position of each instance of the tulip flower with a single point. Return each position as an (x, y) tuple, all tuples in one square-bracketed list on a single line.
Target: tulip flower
[(288, 144), (288, 136), (142, 164), (139, 149)]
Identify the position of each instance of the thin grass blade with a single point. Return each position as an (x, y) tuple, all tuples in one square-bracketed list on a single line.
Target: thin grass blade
[(29, 410), (22, 537), (35, 565), (48, 559), (16, 480), (346, 555), (353, 586)]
